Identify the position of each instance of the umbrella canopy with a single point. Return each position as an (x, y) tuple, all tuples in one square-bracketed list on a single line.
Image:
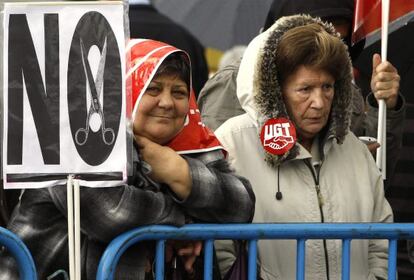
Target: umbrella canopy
[(218, 24)]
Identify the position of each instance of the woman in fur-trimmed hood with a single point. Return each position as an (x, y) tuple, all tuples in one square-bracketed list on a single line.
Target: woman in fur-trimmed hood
[(295, 147), (261, 95)]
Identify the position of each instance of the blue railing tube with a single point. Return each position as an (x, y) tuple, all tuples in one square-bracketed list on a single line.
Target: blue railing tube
[(20, 252), (252, 232)]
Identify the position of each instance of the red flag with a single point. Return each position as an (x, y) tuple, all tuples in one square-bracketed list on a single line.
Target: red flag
[(367, 18)]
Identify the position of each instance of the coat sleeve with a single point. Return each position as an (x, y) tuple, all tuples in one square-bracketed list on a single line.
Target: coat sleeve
[(108, 212), (217, 194), (378, 249), (365, 123), (395, 128)]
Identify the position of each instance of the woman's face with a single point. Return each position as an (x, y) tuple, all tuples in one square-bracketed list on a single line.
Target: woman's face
[(163, 108), (308, 95)]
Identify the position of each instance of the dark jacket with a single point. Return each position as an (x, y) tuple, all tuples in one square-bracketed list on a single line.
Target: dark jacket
[(146, 22), (40, 218)]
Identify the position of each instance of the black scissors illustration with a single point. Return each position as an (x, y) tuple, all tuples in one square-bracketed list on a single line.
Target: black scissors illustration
[(95, 87)]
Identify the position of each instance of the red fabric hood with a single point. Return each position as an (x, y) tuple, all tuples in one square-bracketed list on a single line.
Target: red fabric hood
[(144, 58)]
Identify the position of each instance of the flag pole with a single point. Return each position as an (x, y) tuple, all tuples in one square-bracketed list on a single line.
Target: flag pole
[(69, 193), (382, 110), (73, 205)]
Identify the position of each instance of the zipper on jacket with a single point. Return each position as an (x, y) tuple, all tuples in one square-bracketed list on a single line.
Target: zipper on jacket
[(315, 176), (320, 199)]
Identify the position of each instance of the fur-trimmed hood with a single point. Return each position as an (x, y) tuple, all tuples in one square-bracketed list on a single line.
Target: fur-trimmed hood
[(260, 94)]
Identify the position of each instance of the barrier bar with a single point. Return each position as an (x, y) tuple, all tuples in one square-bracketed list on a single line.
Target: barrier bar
[(252, 267), (300, 259), (19, 251), (208, 259), (392, 259), (296, 231), (346, 257), (159, 260)]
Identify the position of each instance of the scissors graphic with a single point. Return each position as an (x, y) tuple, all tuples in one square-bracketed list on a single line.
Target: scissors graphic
[(95, 110)]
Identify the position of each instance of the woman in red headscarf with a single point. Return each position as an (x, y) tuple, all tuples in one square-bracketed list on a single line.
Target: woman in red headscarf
[(180, 175), (166, 120)]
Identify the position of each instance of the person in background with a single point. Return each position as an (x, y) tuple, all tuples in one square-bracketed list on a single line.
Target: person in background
[(145, 21), (231, 56), (218, 101), (180, 175), (294, 145)]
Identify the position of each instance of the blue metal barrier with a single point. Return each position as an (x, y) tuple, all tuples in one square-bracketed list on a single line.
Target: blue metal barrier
[(20, 252), (253, 232)]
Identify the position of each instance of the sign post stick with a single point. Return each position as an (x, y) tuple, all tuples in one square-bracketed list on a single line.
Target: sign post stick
[(73, 200), (69, 190), (77, 230)]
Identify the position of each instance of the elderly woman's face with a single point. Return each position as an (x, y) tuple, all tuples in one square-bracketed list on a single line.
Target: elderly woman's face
[(162, 109), (308, 95)]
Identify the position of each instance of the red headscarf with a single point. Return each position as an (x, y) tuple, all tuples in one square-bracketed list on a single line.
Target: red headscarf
[(145, 57)]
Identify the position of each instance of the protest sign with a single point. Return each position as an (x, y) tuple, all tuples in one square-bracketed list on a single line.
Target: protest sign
[(63, 94)]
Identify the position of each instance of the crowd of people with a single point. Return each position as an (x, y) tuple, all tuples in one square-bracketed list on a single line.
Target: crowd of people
[(286, 114)]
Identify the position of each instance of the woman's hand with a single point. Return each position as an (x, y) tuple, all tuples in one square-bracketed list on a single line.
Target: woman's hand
[(372, 147), (167, 166), (385, 81), (188, 250)]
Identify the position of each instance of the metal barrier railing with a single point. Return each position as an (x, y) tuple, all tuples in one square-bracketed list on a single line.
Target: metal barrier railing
[(20, 252), (252, 232)]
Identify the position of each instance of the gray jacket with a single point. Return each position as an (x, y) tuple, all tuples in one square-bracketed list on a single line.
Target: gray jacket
[(40, 218)]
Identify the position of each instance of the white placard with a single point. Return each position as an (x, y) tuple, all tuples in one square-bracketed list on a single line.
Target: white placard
[(63, 94)]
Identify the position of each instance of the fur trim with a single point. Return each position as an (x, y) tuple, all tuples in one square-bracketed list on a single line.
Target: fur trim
[(268, 94)]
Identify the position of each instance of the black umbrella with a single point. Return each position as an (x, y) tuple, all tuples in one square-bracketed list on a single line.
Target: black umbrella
[(219, 24)]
